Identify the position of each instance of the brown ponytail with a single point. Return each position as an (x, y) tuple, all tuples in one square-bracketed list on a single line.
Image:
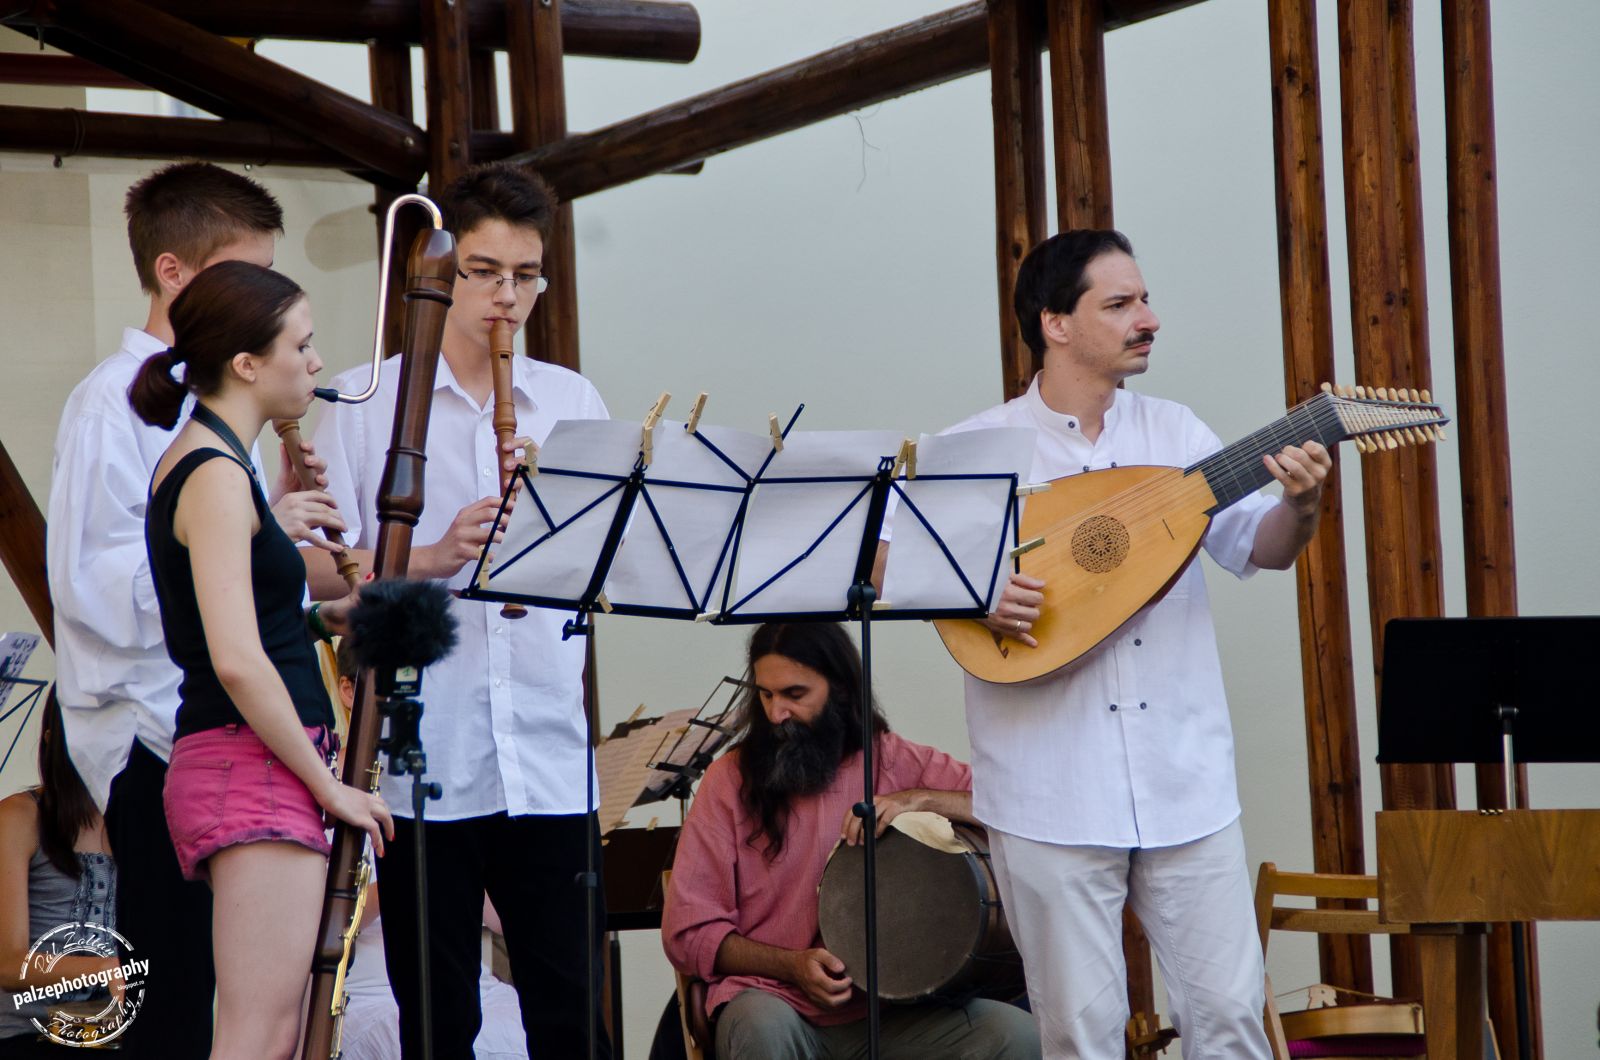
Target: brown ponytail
[(155, 395), (232, 307)]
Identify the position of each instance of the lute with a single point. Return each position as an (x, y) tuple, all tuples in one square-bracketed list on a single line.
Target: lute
[(1107, 543)]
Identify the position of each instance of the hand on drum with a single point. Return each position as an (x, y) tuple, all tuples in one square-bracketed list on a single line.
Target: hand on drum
[(821, 975), (1018, 609), (885, 808)]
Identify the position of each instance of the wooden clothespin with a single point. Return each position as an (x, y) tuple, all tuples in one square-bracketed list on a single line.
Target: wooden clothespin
[(639, 712), (706, 616), (899, 459), (775, 431), (653, 417), (605, 605), (694, 413), (911, 458), (1030, 488), (1026, 546)]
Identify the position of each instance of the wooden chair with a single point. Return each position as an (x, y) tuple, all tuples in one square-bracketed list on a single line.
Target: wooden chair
[(1339, 1030), (699, 1037)]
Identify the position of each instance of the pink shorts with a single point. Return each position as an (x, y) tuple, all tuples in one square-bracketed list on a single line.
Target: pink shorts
[(224, 787)]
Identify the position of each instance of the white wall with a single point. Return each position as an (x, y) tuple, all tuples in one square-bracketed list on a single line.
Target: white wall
[(850, 266)]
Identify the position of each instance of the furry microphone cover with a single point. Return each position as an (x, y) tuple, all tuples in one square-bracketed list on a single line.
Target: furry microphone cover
[(399, 622)]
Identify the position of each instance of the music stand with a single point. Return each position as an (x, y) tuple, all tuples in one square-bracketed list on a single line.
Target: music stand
[(1484, 690), (741, 528)]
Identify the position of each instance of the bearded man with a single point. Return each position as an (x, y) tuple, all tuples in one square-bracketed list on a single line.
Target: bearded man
[(741, 910)]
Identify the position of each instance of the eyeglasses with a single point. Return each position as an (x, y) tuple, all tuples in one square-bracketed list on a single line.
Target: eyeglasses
[(483, 279)]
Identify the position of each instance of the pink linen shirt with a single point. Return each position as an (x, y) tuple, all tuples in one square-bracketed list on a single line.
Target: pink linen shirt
[(723, 884)]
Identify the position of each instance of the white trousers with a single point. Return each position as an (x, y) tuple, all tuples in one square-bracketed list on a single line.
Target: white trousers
[(1064, 906)]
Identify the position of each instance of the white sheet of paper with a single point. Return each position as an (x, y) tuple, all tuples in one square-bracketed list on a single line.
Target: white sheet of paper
[(968, 515), (697, 521), (787, 519), (562, 566)]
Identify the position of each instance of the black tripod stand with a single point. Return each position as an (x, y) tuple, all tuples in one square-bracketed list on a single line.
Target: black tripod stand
[(403, 747)]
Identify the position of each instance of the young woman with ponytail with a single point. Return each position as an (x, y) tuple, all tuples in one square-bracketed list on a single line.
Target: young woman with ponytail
[(249, 781)]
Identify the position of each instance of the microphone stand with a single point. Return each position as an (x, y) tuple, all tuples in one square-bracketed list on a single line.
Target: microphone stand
[(403, 747)]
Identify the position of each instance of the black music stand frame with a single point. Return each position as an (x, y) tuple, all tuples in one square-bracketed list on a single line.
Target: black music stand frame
[(1490, 690), (860, 601)]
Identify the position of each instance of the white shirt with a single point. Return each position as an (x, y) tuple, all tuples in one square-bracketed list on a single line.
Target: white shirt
[(503, 724), (114, 678), (1130, 746)]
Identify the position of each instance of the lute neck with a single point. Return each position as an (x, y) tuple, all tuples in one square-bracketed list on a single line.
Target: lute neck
[(1236, 471)]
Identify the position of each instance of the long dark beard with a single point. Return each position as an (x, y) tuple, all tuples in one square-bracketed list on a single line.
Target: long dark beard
[(779, 763)]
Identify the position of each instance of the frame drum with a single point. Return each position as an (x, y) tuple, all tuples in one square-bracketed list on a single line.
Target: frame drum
[(942, 933)]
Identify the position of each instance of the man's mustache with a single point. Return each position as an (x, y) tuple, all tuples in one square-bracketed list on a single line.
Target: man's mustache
[(1141, 338)]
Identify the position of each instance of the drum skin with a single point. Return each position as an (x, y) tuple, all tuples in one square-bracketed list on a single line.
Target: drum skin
[(942, 934)]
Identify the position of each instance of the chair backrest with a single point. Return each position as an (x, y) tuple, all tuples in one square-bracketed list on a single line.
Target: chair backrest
[(1271, 883), (697, 1039)]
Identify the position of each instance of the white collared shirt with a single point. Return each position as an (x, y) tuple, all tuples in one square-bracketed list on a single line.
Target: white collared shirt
[(114, 678), (1130, 746), (503, 723)]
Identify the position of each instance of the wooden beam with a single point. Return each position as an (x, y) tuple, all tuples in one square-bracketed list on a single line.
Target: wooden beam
[(22, 546), (1326, 661), (929, 51), (538, 117), (1383, 235), (202, 69), (612, 29), (1082, 129), (1017, 94), (68, 132), (447, 79), (24, 68), (1481, 424)]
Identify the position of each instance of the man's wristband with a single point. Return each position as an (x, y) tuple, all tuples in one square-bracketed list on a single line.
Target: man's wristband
[(318, 627)]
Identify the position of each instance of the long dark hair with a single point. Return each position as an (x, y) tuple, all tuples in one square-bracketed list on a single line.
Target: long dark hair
[(233, 307), (826, 648), (65, 807)]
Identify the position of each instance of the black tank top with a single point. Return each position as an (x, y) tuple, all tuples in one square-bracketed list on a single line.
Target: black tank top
[(278, 580)]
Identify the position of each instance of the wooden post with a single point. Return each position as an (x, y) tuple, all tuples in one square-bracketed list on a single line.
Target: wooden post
[(447, 78), (389, 70), (485, 92), (1078, 91), (1327, 669), (22, 546), (1017, 92), (1482, 428), (539, 117), (1383, 231)]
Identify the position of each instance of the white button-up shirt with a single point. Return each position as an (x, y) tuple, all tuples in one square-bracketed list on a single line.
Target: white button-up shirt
[(114, 678), (503, 724), (1130, 746)]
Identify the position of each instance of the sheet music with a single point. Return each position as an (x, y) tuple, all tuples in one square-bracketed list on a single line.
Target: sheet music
[(968, 515), (563, 565), (15, 650), (623, 765), (785, 520), (697, 519)]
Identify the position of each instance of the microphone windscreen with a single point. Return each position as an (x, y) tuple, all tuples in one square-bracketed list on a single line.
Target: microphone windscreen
[(401, 622)]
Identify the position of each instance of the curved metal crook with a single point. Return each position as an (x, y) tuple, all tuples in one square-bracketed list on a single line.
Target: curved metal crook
[(328, 393)]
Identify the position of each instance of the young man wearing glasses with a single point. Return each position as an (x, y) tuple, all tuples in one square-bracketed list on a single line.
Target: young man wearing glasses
[(504, 728)]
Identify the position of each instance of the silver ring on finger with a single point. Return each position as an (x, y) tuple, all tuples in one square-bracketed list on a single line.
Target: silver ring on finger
[(1019, 625)]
